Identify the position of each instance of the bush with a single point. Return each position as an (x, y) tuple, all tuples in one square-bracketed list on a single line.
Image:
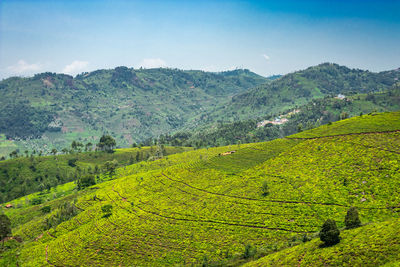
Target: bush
[(249, 251), (265, 189), (352, 220), (86, 181), (36, 201), (329, 233), (45, 209), (5, 227), (72, 162), (106, 209), (66, 211)]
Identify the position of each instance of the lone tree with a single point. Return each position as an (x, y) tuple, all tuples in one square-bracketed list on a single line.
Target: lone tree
[(5, 227), (352, 220), (107, 143), (329, 233)]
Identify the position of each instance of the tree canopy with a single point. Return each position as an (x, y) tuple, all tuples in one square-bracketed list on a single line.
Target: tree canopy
[(107, 143)]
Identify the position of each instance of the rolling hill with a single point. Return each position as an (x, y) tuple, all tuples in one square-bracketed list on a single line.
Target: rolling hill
[(225, 205), (316, 112), (299, 88), (51, 110)]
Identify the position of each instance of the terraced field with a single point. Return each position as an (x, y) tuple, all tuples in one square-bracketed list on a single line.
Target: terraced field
[(202, 206)]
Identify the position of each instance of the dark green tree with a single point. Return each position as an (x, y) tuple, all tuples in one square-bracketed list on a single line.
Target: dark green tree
[(86, 181), (107, 143), (5, 227), (110, 166), (352, 220), (265, 189), (329, 233)]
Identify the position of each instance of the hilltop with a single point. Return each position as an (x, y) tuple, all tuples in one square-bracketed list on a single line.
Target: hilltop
[(224, 205)]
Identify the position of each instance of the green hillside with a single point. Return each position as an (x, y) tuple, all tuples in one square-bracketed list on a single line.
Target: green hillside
[(299, 88), (315, 113), (51, 110), (25, 175), (371, 245), (206, 206)]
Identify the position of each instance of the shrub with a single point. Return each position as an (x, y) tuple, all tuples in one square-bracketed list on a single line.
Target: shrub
[(329, 233), (265, 189), (106, 209), (72, 162), (36, 201), (45, 209), (352, 220), (86, 181), (5, 227), (66, 211), (249, 251)]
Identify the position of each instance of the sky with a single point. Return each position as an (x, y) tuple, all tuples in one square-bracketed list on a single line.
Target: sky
[(267, 37)]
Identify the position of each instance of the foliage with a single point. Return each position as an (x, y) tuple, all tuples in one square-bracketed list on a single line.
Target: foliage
[(5, 226), (371, 245), (177, 209), (249, 251), (130, 104), (45, 209), (22, 176), (85, 181), (265, 189), (329, 233), (352, 220), (107, 143), (65, 211)]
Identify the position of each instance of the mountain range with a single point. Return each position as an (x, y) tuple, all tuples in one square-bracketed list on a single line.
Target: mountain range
[(51, 110)]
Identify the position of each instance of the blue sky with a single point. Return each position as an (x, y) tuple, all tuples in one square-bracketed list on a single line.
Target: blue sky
[(267, 37)]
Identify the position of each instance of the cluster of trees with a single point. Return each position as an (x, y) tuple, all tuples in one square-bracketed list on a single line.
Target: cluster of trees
[(21, 121), (330, 234), (107, 143)]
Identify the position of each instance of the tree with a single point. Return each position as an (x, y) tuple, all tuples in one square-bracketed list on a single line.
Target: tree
[(54, 151), (86, 181), (5, 227), (88, 146), (329, 233), (110, 166), (107, 143), (352, 220), (265, 189)]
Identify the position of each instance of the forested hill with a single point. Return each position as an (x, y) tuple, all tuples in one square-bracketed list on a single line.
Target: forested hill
[(131, 104), (300, 87)]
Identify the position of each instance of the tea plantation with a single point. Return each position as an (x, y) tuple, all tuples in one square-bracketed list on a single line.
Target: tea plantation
[(226, 206)]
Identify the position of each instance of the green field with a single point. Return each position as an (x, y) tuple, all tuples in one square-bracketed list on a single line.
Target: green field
[(202, 207)]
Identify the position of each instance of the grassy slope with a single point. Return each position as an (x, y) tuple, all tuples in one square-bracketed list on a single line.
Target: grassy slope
[(362, 124), (370, 245), (26, 175), (197, 204)]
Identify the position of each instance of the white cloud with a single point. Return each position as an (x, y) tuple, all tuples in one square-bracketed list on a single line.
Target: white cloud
[(22, 67), (149, 63), (75, 67), (266, 57)]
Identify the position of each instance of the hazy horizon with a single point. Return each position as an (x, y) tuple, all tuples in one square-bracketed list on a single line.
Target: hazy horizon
[(265, 37)]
